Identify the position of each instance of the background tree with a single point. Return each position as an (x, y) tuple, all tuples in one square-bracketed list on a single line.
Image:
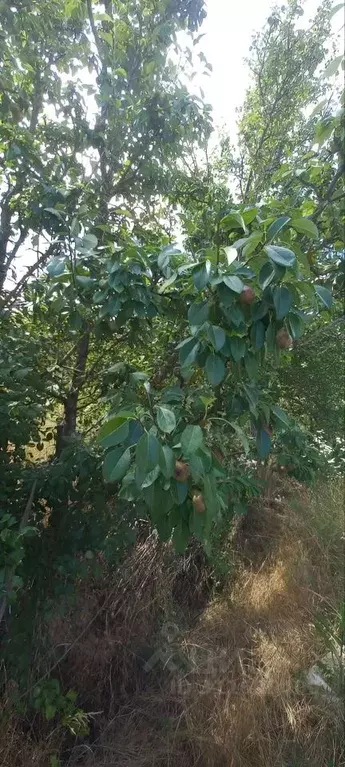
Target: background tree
[(283, 66), (98, 159)]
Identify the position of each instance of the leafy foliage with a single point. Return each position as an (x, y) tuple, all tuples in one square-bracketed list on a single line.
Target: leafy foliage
[(140, 384)]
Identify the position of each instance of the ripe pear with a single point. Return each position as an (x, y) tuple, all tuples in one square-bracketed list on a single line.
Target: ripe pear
[(199, 503), (248, 295), (182, 471)]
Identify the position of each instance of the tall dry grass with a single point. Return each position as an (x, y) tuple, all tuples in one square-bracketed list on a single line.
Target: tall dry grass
[(228, 687)]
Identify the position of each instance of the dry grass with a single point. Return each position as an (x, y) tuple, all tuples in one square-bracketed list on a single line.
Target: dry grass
[(228, 688)]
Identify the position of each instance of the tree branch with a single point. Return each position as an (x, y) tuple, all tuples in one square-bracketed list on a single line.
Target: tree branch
[(94, 30), (13, 295), (330, 191)]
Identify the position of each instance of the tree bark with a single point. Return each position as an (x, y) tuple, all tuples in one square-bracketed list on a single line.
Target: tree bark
[(68, 428)]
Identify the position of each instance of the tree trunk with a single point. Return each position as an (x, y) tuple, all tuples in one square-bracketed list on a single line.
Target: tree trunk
[(69, 426)]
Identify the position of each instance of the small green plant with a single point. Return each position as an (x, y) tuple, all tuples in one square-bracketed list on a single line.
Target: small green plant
[(49, 700)]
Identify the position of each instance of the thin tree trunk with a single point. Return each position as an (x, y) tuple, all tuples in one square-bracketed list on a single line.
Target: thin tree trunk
[(69, 426)]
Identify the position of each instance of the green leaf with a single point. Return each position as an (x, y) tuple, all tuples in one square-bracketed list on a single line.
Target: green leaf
[(50, 711), (90, 241), (324, 130), (319, 107), (281, 256), (164, 257), (164, 527), (180, 492), (233, 220), (226, 297), (216, 336), (271, 337), (197, 466), (138, 377), (250, 215), (333, 66), (238, 244), (259, 310), (166, 419), (282, 300), (167, 461), (263, 443), (151, 477), (189, 352), (267, 275), (181, 537), (198, 313), (235, 316), (114, 306), (107, 36), (116, 465), (231, 255), (325, 295), (167, 283), (336, 8), (56, 267), (119, 367), (192, 439), (85, 282), (305, 226), (234, 283), (56, 213), (202, 275), (257, 334), (147, 453), (173, 394), (117, 428), (296, 325), (281, 415), (252, 242), (277, 227), (215, 369), (211, 495), (251, 366), (308, 290), (238, 348)]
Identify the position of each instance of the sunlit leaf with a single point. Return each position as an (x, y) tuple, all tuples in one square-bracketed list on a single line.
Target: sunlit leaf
[(116, 465), (277, 226), (166, 419), (281, 256), (325, 295), (234, 283), (305, 226), (191, 439)]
